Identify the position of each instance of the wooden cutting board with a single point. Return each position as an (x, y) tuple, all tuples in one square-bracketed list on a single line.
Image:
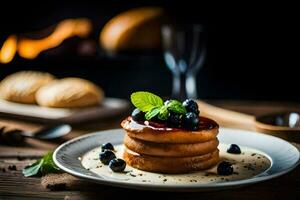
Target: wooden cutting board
[(109, 108)]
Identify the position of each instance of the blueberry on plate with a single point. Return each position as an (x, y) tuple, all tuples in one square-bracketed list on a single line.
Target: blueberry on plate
[(225, 168), (191, 121), (191, 106), (138, 115), (234, 149), (174, 120), (117, 165), (106, 156), (107, 146)]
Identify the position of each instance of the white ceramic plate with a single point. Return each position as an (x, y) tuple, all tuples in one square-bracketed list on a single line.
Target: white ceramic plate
[(283, 157), (109, 108)]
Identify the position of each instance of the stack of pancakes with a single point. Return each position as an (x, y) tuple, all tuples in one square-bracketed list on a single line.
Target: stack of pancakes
[(168, 150)]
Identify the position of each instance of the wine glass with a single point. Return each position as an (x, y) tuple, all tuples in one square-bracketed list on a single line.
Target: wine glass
[(184, 54)]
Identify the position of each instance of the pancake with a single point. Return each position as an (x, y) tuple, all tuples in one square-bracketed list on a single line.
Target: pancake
[(171, 150), (171, 165), (208, 131)]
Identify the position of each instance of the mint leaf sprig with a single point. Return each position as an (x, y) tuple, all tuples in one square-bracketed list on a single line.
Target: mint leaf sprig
[(42, 166), (153, 105), (146, 101)]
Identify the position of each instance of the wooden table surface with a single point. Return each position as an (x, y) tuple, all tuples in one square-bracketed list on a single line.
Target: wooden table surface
[(14, 186)]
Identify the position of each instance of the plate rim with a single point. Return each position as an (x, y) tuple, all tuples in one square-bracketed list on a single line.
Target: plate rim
[(179, 187)]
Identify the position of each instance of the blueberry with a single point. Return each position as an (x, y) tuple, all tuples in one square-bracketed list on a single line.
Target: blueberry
[(191, 106), (138, 115), (191, 121), (174, 120), (225, 168), (117, 165), (167, 102), (234, 149), (107, 146), (106, 156), (157, 120)]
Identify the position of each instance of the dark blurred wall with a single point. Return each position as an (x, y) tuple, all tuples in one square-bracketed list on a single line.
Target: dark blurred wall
[(252, 47)]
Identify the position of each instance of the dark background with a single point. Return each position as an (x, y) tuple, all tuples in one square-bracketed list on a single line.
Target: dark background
[(252, 48)]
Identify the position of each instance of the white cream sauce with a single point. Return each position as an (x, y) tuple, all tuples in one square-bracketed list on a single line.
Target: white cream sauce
[(248, 164)]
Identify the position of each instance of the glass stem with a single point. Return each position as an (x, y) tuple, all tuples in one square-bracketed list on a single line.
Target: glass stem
[(179, 89), (191, 85), (184, 86)]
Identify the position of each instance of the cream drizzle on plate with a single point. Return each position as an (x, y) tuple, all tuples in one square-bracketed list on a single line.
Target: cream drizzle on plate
[(249, 163)]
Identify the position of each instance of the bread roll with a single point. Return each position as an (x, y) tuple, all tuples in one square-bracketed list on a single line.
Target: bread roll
[(22, 86), (69, 93), (134, 29)]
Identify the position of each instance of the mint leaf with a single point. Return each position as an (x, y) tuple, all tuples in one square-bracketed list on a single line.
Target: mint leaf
[(146, 101), (33, 169), (176, 107), (163, 113), (43, 166), (48, 165), (152, 113)]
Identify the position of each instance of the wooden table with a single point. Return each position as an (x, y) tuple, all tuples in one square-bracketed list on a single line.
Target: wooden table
[(14, 186)]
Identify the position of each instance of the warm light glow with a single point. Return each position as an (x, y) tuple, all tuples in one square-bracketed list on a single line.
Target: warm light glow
[(30, 48), (8, 50)]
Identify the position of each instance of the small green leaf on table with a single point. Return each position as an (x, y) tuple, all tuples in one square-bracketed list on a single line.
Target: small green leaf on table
[(42, 166)]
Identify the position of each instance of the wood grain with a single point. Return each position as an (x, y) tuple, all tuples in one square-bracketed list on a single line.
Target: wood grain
[(14, 186)]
